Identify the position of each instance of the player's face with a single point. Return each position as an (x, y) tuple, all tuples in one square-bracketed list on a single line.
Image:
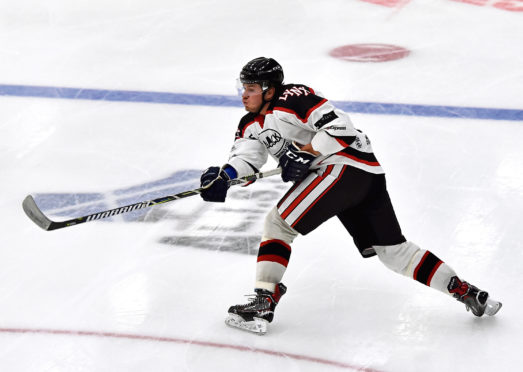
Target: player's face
[(252, 97)]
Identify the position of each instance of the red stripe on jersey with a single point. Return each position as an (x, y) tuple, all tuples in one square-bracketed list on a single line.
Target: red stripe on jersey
[(303, 120), (306, 192), (260, 119), (341, 142), (314, 108), (371, 163), (245, 128), (273, 258), (275, 241), (433, 272), (319, 197), (420, 264)]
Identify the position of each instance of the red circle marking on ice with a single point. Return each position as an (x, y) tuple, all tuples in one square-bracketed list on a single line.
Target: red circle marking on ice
[(211, 344), (369, 52)]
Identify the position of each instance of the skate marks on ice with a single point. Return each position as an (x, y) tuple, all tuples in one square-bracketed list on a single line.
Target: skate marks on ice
[(233, 226), (69, 205)]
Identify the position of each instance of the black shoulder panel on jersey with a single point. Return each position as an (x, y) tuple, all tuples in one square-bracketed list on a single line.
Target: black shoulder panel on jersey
[(297, 99), (245, 121)]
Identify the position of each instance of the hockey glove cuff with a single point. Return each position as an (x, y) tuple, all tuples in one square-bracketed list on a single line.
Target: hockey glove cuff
[(295, 163), (215, 180)]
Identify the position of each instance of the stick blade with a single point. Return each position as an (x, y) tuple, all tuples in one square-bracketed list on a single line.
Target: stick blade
[(35, 214)]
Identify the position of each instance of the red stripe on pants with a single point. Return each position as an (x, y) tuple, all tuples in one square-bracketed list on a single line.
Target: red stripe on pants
[(306, 192), (319, 197)]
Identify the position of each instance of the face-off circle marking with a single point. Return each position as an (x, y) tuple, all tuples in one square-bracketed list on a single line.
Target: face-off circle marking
[(369, 52)]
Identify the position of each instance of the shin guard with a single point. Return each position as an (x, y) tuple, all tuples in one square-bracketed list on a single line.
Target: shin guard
[(273, 258)]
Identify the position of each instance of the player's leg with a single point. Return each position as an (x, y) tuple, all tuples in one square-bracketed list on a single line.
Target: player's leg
[(305, 206), (422, 265), (273, 257), (377, 225)]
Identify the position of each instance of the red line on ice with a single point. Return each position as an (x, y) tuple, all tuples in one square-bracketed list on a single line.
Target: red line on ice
[(184, 341)]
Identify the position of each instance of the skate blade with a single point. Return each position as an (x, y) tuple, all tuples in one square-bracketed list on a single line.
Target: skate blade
[(258, 326), (492, 307)]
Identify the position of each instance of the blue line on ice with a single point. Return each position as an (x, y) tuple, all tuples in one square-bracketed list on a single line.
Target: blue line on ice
[(234, 101)]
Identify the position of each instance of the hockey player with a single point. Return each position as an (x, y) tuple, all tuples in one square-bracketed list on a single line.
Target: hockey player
[(334, 172)]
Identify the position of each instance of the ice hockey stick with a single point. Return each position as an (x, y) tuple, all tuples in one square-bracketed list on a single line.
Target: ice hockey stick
[(39, 218)]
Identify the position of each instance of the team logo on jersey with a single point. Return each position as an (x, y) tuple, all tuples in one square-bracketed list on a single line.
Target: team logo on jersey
[(273, 141)]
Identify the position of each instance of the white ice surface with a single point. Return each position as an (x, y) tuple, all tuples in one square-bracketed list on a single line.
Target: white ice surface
[(127, 296)]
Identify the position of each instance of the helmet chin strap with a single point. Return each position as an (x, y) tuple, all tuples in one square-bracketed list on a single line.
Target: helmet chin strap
[(264, 101)]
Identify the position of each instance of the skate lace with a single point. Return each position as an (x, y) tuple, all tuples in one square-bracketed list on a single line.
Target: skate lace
[(254, 299)]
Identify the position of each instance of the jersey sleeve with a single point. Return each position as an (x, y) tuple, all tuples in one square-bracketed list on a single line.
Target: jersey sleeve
[(247, 154), (335, 130), (301, 106)]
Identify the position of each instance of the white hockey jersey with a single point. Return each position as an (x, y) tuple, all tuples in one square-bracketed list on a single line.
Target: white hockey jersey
[(299, 114)]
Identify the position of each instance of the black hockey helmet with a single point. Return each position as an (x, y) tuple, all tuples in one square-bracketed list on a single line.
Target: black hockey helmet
[(264, 71)]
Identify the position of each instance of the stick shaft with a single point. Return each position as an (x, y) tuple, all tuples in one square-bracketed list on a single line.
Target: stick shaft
[(40, 219)]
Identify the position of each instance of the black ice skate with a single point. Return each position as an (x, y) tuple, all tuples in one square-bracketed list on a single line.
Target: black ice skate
[(474, 299), (259, 312)]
